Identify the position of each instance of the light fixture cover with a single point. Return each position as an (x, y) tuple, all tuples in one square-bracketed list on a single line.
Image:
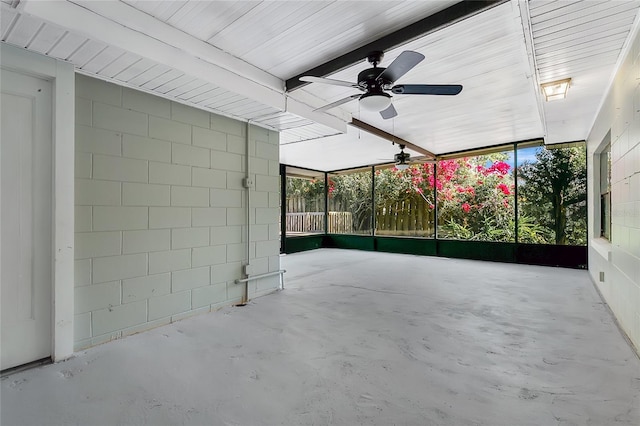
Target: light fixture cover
[(402, 166), (555, 89), (375, 101)]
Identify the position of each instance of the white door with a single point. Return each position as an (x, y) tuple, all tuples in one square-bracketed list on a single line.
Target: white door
[(25, 219)]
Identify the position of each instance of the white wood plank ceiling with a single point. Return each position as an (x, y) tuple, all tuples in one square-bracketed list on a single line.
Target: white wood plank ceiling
[(233, 57), (485, 54), (582, 41)]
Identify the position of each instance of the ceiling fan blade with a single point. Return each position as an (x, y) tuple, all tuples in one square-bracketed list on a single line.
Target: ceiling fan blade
[(388, 113), (427, 89), (311, 79), (337, 103), (401, 65)]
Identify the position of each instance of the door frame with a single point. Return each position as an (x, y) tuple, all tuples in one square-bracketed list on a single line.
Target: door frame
[(62, 77)]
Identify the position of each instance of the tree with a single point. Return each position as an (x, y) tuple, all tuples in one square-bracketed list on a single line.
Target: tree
[(554, 190), (351, 192)]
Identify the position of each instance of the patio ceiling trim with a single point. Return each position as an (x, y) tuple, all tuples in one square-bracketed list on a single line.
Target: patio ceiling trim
[(437, 21)]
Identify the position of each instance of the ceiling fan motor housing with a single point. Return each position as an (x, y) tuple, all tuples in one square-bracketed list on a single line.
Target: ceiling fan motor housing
[(402, 157), (368, 80)]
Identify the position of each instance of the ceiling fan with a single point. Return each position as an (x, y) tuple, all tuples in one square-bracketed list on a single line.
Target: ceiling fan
[(403, 159), (375, 82)]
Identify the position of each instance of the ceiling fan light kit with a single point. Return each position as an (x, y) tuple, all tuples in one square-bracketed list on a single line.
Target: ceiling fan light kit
[(376, 81), (375, 101)]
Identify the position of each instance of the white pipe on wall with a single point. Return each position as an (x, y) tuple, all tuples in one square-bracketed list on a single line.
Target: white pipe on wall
[(268, 274), (247, 185)]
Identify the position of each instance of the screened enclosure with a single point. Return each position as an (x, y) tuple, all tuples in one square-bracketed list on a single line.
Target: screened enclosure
[(510, 199), (305, 201)]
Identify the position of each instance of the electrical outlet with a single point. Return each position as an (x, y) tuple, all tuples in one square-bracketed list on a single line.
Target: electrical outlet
[(248, 182)]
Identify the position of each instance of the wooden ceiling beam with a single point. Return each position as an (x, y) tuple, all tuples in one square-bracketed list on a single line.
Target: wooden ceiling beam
[(392, 138), (432, 23)]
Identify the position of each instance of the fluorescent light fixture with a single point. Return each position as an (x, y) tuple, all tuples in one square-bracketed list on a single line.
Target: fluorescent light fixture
[(375, 101), (555, 89)]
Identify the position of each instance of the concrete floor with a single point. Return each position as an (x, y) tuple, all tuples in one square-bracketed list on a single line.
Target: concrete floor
[(360, 338)]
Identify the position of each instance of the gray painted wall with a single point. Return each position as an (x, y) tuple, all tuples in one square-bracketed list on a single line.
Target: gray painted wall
[(619, 259), (161, 212)]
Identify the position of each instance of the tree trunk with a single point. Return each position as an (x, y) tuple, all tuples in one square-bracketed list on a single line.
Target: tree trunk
[(560, 219)]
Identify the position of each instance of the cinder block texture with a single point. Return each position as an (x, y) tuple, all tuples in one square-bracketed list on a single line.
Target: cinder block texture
[(119, 218), (119, 119), (169, 130), (619, 258), (169, 174), (118, 317), (97, 296), (190, 278), (164, 306), (118, 267), (189, 237), (98, 141), (146, 148), (146, 240), (189, 196), (161, 212), (171, 260), (97, 244), (189, 115), (91, 192), (145, 287), (119, 169), (169, 217), (141, 194)]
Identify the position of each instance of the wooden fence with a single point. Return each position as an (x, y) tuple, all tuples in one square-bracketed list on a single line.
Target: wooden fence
[(411, 216), (340, 223), (298, 204), (408, 217), (313, 222)]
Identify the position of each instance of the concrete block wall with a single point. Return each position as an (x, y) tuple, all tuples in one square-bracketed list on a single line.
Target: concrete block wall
[(619, 259), (161, 211)]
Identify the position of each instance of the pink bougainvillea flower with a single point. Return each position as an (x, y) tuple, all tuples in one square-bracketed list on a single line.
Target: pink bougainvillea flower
[(466, 207), (500, 167), (504, 188)]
